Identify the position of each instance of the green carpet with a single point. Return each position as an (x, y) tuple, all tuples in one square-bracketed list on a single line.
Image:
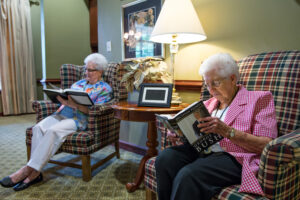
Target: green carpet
[(63, 183)]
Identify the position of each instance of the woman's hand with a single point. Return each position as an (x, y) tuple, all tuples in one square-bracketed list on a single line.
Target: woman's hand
[(245, 140), (173, 137), (69, 102), (214, 125)]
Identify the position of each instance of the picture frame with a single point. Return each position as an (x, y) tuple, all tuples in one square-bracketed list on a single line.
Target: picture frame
[(138, 20), (155, 95)]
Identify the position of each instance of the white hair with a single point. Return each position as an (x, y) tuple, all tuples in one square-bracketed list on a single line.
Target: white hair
[(98, 59), (222, 63)]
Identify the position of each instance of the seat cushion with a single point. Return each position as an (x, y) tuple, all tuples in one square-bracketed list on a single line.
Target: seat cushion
[(231, 192), (81, 139)]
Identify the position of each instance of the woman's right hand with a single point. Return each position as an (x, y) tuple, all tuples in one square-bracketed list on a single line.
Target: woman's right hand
[(174, 138), (62, 101)]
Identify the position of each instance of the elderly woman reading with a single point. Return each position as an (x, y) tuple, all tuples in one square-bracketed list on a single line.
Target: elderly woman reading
[(246, 120), (50, 133)]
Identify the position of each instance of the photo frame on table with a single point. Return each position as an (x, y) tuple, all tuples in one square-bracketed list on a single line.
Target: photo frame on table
[(138, 20), (155, 95)]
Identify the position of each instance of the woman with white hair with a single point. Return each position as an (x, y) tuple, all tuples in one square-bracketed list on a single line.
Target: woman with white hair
[(50, 133), (246, 120)]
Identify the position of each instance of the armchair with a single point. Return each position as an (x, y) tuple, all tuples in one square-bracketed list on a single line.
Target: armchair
[(103, 128), (279, 170)]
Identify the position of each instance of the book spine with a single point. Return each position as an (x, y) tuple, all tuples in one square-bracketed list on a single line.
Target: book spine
[(173, 123), (170, 124)]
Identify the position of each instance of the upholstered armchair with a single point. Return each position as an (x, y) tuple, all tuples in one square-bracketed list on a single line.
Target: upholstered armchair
[(103, 128), (279, 170)]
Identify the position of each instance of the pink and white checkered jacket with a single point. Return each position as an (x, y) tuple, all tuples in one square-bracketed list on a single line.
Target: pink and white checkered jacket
[(252, 112)]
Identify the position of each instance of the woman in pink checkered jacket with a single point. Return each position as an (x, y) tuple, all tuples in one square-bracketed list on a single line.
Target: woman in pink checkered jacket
[(246, 120)]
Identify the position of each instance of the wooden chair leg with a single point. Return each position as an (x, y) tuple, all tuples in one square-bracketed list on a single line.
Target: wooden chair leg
[(86, 168), (150, 195), (28, 152), (117, 147)]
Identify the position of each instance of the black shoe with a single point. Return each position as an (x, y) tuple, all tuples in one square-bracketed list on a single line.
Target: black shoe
[(23, 186), (7, 182)]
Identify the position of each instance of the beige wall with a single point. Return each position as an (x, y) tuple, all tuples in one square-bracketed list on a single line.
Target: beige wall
[(67, 35), (240, 28)]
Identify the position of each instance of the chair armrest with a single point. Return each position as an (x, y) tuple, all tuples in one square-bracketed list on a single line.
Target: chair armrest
[(100, 109), (43, 109), (280, 167), (100, 117)]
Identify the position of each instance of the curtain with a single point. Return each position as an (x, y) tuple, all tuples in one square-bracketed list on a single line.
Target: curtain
[(17, 68)]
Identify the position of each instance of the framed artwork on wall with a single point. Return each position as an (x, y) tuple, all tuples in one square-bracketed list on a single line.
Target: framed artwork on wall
[(138, 20), (155, 95)]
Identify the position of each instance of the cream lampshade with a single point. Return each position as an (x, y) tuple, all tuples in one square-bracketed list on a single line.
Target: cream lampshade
[(177, 23)]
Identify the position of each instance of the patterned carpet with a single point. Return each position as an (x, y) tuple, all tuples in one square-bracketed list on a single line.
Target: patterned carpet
[(62, 183)]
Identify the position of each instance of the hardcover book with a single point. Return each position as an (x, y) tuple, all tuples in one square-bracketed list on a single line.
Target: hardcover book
[(186, 122), (79, 97)]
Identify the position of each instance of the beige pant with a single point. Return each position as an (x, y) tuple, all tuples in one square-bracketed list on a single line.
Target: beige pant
[(48, 136)]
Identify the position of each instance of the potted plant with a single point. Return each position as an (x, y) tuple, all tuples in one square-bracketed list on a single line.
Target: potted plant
[(145, 70)]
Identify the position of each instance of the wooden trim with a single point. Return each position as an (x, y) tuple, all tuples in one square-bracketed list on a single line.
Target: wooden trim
[(150, 195), (1, 113), (132, 148), (93, 25), (49, 80), (188, 85)]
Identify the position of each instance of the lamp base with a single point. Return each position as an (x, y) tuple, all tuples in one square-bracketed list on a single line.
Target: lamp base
[(176, 99)]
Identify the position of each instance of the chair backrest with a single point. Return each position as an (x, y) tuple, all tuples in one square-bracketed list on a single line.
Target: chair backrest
[(279, 73), (70, 73)]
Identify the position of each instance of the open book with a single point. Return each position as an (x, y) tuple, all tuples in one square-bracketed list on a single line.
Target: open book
[(186, 121), (79, 97)]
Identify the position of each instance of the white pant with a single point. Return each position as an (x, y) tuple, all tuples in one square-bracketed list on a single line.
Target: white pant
[(47, 136)]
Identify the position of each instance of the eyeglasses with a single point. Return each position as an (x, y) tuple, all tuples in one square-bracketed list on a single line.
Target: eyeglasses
[(91, 70), (214, 84)]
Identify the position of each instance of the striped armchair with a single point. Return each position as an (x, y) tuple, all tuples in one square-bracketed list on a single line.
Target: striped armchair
[(279, 173), (103, 128)]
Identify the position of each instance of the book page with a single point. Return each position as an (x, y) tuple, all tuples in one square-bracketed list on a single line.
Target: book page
[(168, 116), (74, 91), (186, 126), (84, 100), (55, 90), (54, 87)]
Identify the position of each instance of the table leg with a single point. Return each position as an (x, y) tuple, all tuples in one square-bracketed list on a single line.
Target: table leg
[(151, 152)]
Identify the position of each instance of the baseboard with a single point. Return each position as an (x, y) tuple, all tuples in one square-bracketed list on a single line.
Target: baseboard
[(132, 147)]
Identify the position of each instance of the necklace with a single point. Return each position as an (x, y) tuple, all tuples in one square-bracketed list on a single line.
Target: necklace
[(222, 112), (226, 106)]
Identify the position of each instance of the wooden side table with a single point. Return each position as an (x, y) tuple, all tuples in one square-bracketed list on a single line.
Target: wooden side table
[(131, 112)]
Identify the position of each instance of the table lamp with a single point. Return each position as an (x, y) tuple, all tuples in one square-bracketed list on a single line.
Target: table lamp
[(177, 23)]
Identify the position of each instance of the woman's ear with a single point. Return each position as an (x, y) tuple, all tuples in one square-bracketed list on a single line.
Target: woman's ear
[(233, 78)]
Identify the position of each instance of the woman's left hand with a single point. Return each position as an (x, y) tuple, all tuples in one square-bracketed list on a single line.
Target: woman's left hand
[(69, 102), (213, 125)]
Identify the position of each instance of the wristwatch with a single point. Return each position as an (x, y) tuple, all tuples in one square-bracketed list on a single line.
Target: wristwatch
[(232, 133)]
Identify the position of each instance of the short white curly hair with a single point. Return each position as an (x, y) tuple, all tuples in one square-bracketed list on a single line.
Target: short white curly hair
[(98, 59), (223, 64)]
